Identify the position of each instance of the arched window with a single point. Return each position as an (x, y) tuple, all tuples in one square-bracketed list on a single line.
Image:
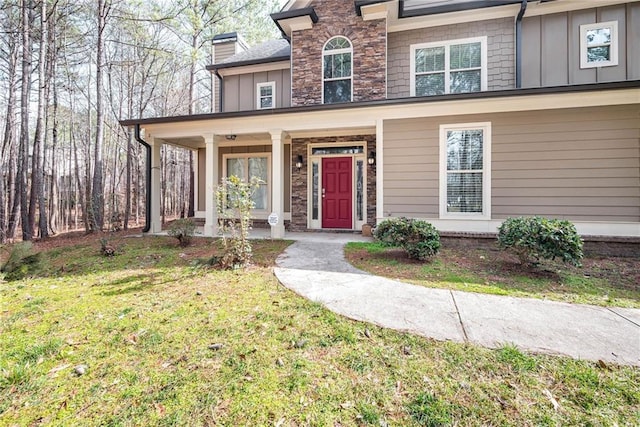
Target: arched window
[(337, 74)]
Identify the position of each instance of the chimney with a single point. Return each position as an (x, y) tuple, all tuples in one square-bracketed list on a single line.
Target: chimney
[(224, 46)]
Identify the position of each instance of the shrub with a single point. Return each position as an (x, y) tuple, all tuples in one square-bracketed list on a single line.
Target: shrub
[(182, 229), (533, 238), (23, 262), (106, 248), (418, 238), (234, 199)]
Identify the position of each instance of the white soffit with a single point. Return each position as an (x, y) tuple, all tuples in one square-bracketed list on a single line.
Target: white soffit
[(378, 10), (296, 24)]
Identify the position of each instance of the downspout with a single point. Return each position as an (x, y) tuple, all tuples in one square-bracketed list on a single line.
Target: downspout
[(523, 9), (147, 210), (221, 100)]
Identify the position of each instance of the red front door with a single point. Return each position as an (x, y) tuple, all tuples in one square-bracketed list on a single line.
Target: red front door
[(337, 191)]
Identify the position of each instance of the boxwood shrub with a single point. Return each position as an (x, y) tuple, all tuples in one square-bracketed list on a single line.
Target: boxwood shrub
[(535, 238), (418, 238)]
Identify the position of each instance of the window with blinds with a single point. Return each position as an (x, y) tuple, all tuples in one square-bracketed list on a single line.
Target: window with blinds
[(465, 170)]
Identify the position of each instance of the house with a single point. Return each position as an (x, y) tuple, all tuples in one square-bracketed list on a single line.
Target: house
[(462, 113)]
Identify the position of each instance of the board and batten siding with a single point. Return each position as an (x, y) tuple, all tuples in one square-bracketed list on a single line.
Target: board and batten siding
[(578, 164), (221, 51), (240, 91), (551, 47), (500, 52)]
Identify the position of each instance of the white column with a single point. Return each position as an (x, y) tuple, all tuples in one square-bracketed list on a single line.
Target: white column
[(156, 178), (379, 170), (211, 177), (277, 182)]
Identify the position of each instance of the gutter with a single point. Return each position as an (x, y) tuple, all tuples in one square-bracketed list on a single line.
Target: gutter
[(147, 210), (523, 9), (221, 100)]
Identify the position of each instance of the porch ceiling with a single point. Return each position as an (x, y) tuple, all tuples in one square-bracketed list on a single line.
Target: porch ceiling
[(195, 142)]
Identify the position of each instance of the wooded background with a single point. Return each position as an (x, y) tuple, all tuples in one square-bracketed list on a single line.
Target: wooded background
[(69, 70)]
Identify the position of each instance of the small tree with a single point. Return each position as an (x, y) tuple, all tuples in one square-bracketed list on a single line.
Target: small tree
[(533, 238), (418, 238), (234, 204)]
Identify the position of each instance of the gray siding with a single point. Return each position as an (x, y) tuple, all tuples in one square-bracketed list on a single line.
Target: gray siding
[(579, 164), (500, 49), (240, 91), (551, 47), (221, 51)]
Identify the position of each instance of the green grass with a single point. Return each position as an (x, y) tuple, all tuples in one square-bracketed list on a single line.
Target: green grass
[(145, 322), (601, 281)]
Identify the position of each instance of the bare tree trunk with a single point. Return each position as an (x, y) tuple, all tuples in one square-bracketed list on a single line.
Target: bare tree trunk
[(37, 171), (53, 191), (98, 186), (8, 217), (23, 165)]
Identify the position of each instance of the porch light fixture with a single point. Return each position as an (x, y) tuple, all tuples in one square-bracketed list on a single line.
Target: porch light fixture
[(230, 137), (372, 158), (299, 162)]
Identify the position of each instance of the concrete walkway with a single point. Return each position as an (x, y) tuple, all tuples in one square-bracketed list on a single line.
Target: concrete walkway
[(315, 268)]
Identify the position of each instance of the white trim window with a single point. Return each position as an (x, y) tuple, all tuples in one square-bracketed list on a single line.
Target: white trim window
[(337, 71), (247, 166), (599, 44), (454, 66), (266, 95), (465, 171)]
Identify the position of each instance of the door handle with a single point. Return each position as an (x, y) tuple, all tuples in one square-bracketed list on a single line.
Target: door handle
[(323, 192)]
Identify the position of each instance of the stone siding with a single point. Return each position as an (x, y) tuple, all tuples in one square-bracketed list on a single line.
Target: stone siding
[(369, 41), (500, 52), (299, 181)]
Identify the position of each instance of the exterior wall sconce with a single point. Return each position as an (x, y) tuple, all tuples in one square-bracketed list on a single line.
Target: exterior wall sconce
[(230, 137), (299, 162), (372, 158)]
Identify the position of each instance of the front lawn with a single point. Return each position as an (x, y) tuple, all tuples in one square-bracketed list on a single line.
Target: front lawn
[(150, 337), (482, 267)]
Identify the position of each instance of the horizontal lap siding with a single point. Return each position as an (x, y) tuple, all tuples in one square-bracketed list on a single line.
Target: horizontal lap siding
[(411, 168), (579, 164)]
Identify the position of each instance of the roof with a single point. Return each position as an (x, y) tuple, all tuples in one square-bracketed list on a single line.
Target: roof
[(269, 51), (589, 87)]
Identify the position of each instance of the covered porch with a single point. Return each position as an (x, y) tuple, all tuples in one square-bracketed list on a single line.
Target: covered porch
[(294, 163)]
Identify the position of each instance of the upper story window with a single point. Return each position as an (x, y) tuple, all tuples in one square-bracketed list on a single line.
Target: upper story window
[(599, 44), (456, 66), (337, 74), (266, 95), (465, 170)]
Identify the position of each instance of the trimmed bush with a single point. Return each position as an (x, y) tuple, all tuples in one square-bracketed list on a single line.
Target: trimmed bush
[(418, 238), (535, 238), (182, 229)]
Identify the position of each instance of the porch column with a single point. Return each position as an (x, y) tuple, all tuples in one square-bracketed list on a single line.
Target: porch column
[(277, 182), (379, 171), (156, 178), (211, 177)]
